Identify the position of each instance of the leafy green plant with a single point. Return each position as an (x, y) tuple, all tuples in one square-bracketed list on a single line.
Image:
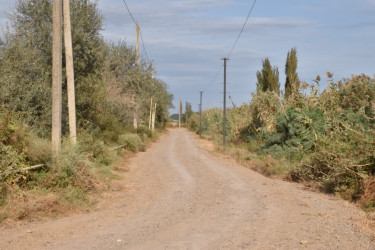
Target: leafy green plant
[(132, 142)]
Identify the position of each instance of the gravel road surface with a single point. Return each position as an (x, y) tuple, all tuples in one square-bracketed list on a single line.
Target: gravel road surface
[(177, 195)]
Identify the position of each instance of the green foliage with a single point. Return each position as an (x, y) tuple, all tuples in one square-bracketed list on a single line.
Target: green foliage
[(324, 139), (144, 132), (25, 74), (268, 78), (110, 89), (292, 83), (296, 132), (13, 142), (188, 112), (131, 142)]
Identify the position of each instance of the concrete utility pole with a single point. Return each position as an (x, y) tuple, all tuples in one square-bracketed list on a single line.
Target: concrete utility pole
[(56, 76), (179, 113), (135, 123), (153, 119), (70, 72), (200, 116), (135, 111), (149, 123), (225, 101), (137, 46)]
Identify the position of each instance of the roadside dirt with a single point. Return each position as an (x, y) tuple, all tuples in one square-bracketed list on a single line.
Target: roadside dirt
[(179, 196)]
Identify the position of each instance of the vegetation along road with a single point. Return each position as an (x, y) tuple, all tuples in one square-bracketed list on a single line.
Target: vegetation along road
[(180, 196)]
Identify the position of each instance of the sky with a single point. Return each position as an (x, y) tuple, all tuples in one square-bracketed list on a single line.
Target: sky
[(186, 39)]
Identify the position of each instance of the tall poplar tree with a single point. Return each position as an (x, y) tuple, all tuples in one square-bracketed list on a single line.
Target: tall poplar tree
[(292, 82), (268, 78)]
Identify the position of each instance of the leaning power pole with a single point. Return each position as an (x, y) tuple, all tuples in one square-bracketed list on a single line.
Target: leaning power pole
[(225, 100), (56, 76), (200, 116), (70, 72)]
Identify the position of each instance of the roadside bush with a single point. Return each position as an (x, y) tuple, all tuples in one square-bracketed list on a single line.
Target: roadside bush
[(296, 132), (144, 132), (193, 123), (131, 142)]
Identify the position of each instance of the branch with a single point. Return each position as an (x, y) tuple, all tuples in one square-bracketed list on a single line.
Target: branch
[(22, 169)]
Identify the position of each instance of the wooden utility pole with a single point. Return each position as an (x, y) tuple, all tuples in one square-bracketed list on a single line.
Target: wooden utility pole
[(149, 123), (225, 101), (70, 72), (200, 116), (56, 76), (137, 46)]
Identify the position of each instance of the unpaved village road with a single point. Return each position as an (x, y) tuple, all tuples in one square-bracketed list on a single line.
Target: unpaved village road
[(179, 196)]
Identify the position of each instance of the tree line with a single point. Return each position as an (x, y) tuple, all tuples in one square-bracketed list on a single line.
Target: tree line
[(110, 90), (109, 85)]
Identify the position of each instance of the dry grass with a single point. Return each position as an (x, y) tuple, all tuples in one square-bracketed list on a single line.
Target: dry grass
[(34, 206)]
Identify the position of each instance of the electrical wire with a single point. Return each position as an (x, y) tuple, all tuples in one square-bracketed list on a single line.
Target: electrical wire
[(131, 15), (213, 78), (140, 31), (243, 27), (144, 47), (234, 45)]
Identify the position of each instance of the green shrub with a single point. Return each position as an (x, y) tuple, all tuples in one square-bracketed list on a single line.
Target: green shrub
[(144, 132), (131, 142)]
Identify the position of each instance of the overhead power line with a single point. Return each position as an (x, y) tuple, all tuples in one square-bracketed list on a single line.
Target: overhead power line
[(143, 44), (140, 30), (243, 27), (234, 45), (213, 78), (130, 13)]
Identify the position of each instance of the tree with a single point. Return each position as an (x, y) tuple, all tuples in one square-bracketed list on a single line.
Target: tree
[(188, 112), (26, 59), (268, 78), (292, 82)]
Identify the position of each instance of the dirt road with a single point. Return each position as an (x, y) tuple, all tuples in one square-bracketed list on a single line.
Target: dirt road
[(179, 196)]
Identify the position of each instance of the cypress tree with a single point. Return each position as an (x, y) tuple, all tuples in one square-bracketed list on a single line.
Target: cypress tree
[(268, 78), (292, 82)]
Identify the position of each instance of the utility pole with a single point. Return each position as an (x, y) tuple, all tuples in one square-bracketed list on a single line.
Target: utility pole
[(200, 116), (225, 101), (56, 76), (137, 46), (179, 113), (70, 73), (153, 119), (135, 109), (149, 124), (135, 123)]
